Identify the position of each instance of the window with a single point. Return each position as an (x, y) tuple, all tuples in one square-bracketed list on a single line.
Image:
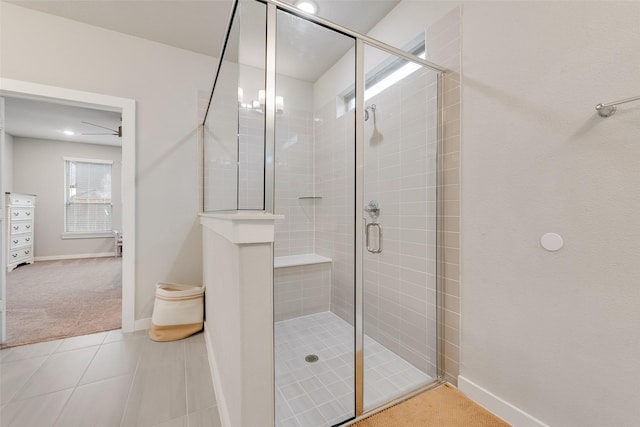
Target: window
[(386, 74), (87, 196)]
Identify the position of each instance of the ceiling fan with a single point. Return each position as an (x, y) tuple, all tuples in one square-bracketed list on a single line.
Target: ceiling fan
[(115, 132)]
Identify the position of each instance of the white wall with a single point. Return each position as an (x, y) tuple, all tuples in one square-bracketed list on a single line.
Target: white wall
[(39, 169), (555, 334), (164, 81)]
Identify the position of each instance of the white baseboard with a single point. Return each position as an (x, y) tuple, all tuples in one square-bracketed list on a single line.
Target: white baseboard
[(503, 409), (225, 420), (74, 256), (142, 324)]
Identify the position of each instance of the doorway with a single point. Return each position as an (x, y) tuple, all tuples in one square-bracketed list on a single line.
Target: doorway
[(124, 107)]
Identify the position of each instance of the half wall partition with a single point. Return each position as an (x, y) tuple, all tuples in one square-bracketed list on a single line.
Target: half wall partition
[(339, 134)]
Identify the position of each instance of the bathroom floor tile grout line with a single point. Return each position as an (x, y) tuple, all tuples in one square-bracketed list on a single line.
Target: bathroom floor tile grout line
[(330, 381), (12, 398), (75, 387), (139, 347), (53, 351), (186, 381), (133, 380)]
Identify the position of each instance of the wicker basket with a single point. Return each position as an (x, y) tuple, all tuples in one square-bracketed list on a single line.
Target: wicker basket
[(178, 312)]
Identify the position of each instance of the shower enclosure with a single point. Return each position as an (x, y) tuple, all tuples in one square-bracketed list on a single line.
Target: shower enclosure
[(339, 134)]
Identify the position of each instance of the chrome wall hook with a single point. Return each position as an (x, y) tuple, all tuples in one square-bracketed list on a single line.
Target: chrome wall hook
[(609, 109), (606, 110)]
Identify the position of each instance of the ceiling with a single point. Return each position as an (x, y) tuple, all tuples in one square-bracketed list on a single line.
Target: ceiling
[(305, 51), (30, 118), (199, 26)]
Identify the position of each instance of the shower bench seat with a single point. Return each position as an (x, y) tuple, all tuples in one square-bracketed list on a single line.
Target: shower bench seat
[(301, 284), (298, 260)]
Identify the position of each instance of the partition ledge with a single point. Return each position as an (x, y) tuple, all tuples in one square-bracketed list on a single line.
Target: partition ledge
[(242, 227)]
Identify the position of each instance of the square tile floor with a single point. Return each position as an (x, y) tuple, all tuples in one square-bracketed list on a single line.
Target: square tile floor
[(113, 379), (322, 393), (108, 379)]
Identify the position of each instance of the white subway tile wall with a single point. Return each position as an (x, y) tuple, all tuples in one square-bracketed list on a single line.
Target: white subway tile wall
[(250, 159), (400, 173), (301, 290), (334, 166), (294, 180)]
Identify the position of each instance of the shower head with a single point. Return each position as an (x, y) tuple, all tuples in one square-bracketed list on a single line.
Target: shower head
[(372, 107)]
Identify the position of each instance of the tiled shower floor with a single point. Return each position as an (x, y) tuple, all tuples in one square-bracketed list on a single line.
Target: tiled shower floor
[(321, 393)]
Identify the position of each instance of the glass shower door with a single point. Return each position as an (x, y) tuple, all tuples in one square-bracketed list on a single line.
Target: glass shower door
[(314, 244), (399, 247)]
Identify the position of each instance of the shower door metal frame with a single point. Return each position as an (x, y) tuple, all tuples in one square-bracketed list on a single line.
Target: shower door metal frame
[(270, 109), (360, 223), (361, 41)]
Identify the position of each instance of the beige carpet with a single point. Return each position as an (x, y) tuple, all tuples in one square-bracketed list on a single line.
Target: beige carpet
[(441, 407), (58, 299)]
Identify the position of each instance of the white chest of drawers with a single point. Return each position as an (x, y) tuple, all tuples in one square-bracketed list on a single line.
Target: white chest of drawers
[(21, 210)]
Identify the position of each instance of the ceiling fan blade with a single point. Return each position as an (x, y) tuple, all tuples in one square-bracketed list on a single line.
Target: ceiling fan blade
[(93, 124)]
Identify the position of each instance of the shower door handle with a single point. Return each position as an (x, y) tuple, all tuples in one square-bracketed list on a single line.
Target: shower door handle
[(368, 230)]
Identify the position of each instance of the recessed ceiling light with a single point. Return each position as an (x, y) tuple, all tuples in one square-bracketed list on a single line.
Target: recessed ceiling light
[(307, 6), (69, 132)]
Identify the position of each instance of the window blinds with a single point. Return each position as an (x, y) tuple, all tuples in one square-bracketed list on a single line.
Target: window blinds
[(88, 204)]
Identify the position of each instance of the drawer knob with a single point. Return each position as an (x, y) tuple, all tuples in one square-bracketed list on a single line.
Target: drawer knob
[(14, 255), (28, 213), (16, 213), (27, 239), (15, 227), (27, 227), (15, 242), (27, 252)]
